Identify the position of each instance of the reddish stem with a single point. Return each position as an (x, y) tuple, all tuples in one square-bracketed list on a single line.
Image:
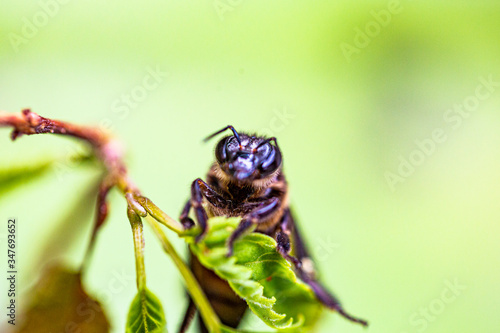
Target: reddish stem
[(107, 149)]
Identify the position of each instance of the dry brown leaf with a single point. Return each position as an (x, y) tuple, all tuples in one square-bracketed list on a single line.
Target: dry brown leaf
[(59, 304)]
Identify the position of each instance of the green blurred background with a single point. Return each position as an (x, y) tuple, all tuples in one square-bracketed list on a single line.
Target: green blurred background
[(347, 109)]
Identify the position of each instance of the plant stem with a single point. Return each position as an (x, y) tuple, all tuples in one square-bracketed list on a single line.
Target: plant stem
[(137, 230), (209, 316), (159, 215), (106, 148), (110, 153)]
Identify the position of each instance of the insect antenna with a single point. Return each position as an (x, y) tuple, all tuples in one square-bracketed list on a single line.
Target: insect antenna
[(236, 135), (267, 141)]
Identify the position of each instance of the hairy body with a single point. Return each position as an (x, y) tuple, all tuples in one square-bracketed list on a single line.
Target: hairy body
[(247, 181)]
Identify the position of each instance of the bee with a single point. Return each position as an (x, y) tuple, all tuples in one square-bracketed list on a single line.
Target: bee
[(247, 181)]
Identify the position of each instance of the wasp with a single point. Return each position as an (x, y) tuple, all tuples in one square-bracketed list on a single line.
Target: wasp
[(247, 181)]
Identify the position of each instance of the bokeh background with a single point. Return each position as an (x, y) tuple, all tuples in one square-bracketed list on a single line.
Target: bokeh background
[(383, 110)]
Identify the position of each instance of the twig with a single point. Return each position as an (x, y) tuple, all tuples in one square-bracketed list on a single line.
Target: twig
[(136, 224), (109, 152), (107, 149)]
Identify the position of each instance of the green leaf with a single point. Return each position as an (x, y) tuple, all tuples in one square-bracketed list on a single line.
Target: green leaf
[(13, 177), (58, 303), (258, 274), (70, 227), (146, 314)]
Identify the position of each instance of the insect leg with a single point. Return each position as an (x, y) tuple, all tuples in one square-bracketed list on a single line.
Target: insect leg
[(307, 274), (186, 221), (188, 317), (201, 325), (299, 246), (289, 228), (200, 189), (263, 211), (284, 248), (196, 203)]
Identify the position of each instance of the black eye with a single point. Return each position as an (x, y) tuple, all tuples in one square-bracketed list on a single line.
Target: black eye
[(220, 151), (271, 163)]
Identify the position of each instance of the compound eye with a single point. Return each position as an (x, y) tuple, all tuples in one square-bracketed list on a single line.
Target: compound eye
[(221, 151), (271, 163)]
